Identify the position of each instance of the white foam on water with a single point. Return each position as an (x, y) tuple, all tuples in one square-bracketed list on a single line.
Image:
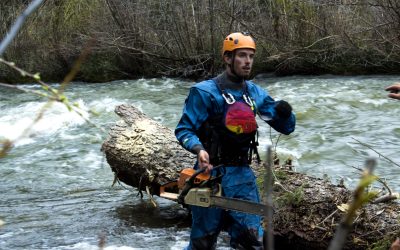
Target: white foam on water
[(156, 85), (376, 103), (6, 235), (282, 151), (179, 242), (55, 118), (288, 152), (65, 135), (88, 246), (66, 176), (93, 159), (41, 153), (343, 107), (105, 104)]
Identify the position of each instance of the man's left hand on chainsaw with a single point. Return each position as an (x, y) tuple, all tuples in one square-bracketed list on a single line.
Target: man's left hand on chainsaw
[(204, 161)]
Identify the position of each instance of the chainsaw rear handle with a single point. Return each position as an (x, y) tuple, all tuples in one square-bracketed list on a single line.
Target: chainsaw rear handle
[(190, 182), (199, 171), (193, 177), (188, 185)]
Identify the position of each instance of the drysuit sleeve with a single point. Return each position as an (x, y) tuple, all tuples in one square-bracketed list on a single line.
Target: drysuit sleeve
[(195, 112), (268, 112)]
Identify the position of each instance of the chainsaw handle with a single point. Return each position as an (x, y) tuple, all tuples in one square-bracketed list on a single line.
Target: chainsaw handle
[(199, 171), (193, 177), (190, 182), (188, 185)]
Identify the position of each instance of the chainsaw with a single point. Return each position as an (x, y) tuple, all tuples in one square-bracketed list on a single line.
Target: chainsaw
[(196, 188)]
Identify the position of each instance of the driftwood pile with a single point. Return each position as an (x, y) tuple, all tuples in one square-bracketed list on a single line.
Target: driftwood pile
[(145, 154)]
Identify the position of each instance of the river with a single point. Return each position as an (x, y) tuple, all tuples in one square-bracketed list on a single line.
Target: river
[(56, 185)]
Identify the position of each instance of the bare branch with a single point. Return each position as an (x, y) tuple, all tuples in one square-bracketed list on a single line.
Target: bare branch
[(359, 199), (17, 25), (268, 186), (380, 155)]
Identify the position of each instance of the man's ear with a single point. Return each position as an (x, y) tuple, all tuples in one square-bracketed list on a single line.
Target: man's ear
[(227, 59)]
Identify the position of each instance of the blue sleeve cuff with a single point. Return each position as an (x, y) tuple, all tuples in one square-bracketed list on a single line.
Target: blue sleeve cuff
[(196, 148)]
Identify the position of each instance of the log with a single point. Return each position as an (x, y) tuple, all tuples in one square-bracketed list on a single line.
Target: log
[(307, 216), (143, 153)]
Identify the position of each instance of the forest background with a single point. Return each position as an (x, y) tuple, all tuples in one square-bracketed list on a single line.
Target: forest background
[(182, 38)]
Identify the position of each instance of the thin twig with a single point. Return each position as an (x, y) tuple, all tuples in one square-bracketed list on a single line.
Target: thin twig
[(280, 185), (359, 198), (329, 216), (380, 180), (153, 201), (38, 117), (17, 25), (380, 155), (268, 186), (39, 93), (77, 65), (277, 141), (319, 40), (35, 77), (386, 198), (54, 95)]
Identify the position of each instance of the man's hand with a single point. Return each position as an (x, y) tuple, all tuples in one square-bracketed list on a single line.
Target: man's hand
[(204, 161), (394, 91), (283, 109), (395, 245)]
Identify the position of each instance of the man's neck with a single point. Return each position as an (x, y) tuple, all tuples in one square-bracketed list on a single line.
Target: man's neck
[(230, 81)]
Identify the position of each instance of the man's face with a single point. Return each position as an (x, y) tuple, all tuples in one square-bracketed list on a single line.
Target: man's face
[(243, 62)]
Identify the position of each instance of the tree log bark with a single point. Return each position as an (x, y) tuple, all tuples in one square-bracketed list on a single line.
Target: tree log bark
[(141, 153)]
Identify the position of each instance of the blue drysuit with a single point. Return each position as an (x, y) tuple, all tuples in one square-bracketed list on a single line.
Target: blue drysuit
[(204, 101)]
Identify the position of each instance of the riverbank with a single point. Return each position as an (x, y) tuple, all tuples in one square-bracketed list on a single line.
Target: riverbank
[(92, 75), (181, 39)]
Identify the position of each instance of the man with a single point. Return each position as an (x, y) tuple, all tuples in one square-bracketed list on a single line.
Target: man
[(218, 124), (394, 91)]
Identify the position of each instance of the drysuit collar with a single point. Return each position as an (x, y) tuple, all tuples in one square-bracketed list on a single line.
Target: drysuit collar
[(230, 82)]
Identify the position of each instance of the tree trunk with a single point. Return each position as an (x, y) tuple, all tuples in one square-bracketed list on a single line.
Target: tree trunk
[(143, 153)]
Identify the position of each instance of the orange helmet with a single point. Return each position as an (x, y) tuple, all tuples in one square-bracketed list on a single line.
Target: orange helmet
[(239, 40)]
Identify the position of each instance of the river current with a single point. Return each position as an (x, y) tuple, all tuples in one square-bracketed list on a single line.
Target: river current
[(55, 184)]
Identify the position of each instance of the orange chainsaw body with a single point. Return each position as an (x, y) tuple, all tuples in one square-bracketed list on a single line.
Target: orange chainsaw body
[(187, 173), (180, 183)]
